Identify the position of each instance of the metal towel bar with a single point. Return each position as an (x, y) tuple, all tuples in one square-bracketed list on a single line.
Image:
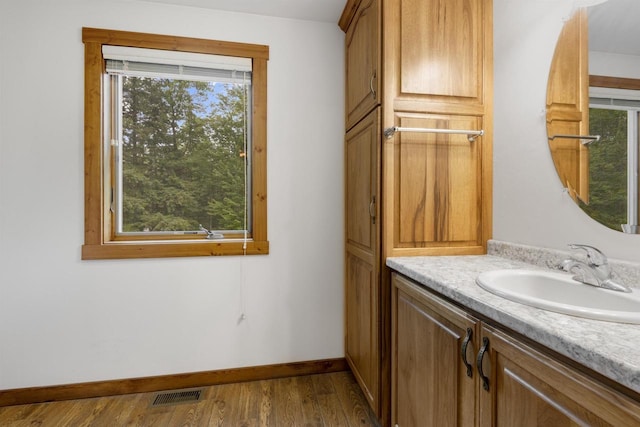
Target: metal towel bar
[(588, 139), (471, 134)]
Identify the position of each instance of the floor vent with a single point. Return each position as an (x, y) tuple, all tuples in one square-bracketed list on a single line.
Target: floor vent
[(177, 396)]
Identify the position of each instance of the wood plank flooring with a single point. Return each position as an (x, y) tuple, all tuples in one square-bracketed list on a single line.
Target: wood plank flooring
[(332, 399)]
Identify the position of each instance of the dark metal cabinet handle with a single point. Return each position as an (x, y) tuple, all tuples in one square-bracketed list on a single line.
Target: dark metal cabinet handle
[(463, 352), (483, 350)]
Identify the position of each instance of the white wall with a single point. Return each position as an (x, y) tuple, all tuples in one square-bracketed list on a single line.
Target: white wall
[(530, 205), (614, 65), (63, 320)]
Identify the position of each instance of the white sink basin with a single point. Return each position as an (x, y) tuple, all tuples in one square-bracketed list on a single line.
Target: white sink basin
[(557, 291)]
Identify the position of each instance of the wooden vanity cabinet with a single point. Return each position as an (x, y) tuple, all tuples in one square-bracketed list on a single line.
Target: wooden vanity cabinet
[(525, 386)]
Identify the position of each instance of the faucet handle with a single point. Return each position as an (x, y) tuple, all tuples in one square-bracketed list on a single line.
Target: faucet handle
[(595, 257)]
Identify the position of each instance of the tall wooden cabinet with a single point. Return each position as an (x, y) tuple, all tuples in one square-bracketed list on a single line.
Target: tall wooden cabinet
[(365, 302), (424, 64), (437, 348)]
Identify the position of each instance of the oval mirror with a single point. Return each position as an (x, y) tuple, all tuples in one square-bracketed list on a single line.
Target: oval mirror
[(593, 111)]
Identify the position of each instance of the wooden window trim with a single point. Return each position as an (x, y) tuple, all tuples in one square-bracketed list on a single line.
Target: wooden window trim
[(614, 82), (98, 243)]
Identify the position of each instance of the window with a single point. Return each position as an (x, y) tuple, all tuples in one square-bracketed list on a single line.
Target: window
[(175, 146)]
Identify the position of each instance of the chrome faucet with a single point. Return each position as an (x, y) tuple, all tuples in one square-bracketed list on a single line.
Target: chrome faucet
[(596, 271)]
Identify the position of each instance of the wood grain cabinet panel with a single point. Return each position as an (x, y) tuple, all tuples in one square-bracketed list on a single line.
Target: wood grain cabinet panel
[(362, 281), (436, 183), (441, 50), (362, 49), (438, 53), (430, 382), (361, 341), (530, 389), (361, 184)]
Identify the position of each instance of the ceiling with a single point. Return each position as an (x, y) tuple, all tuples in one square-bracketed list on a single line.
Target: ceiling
[(309, 10), (613, 24), (614, 27)]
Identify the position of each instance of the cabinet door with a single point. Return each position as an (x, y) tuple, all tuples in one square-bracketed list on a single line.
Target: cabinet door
[(363, 255), (568, 106), (438, 75), (431, 384), (437, 188), (362, 46), (529, 389), (437, 52)]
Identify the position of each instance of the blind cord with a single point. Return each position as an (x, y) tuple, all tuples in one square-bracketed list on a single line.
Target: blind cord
[(246, 234)]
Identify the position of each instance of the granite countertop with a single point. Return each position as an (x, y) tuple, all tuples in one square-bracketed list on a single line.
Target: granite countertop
[(605, 347)]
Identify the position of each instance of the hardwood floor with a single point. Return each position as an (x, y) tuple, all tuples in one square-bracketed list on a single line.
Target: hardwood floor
[(332, 399)]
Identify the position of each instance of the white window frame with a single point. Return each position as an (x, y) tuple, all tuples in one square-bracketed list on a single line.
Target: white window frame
[(629, 101)]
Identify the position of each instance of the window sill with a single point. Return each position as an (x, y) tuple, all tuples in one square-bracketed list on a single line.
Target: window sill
[(170, 249)]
